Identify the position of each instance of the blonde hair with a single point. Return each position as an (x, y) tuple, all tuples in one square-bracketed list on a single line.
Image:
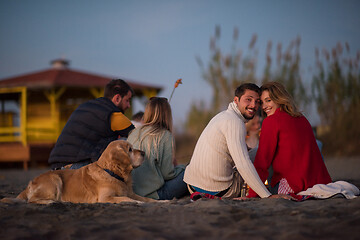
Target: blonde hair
[(158, 114), (279, 95), (158, 118)]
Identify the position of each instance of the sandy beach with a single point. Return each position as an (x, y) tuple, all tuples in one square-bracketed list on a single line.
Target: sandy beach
[(336, 218)]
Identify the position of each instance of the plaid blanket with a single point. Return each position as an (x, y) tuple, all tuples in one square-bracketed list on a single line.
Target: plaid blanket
[(197, 195)]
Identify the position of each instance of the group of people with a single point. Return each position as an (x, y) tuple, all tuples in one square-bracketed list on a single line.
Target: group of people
[(223, 158)]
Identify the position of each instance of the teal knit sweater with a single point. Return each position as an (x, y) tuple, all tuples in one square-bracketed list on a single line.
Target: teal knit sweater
[(158, 166)]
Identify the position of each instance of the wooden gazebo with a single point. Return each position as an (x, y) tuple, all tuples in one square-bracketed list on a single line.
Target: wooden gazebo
[(36, 106)]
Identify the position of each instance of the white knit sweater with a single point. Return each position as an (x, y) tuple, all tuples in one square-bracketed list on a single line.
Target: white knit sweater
[(220, 147)]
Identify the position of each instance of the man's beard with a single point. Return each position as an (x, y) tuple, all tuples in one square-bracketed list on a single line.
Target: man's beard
[(247, 117), (120, 108)]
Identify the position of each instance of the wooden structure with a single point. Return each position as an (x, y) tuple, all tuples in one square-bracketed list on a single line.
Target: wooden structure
[(36, 106)]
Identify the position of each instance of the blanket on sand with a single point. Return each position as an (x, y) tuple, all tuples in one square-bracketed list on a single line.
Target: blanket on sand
[(323, 191)]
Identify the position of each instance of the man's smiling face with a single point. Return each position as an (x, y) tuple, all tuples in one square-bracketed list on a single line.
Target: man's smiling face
[(248, 103)]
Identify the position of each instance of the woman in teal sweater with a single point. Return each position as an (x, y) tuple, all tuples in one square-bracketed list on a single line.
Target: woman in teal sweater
[(158, 177)]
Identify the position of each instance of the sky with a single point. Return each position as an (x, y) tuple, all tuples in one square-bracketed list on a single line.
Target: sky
[(158, 41)]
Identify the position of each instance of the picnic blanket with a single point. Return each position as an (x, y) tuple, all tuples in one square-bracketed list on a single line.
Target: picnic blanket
[(323, 191)]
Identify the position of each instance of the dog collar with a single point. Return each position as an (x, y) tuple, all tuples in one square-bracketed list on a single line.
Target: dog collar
[(114, 175)]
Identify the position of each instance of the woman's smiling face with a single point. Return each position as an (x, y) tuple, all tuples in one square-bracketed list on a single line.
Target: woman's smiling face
[(268, 105)]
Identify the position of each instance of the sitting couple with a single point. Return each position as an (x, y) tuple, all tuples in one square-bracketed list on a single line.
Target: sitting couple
[(220, 162)]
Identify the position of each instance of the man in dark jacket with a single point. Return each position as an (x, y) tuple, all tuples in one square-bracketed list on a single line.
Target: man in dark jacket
[(92, 126)]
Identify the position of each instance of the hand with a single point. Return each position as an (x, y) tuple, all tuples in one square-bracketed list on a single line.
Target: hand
[(241, 198), (67, 166), (284, 196)]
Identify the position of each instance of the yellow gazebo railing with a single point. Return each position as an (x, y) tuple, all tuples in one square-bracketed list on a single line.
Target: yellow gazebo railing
[(10, 133)]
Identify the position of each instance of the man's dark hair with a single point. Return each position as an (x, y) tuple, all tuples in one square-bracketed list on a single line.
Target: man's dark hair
[(117, 86), (246, 86)]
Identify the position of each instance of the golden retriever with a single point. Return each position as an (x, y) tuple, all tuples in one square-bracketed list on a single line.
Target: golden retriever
[(107, 180)]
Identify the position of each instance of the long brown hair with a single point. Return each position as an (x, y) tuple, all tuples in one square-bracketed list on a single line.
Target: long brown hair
[(279, 95), (158, 118), (158, 114)]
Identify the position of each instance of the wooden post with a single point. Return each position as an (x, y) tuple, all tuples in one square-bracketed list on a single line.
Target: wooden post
[(23, 116), (97, 92), (53, 96)]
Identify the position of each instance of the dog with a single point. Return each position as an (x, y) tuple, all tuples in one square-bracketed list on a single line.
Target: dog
[(107, 180)]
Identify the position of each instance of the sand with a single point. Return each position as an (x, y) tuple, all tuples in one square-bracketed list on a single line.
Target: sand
[(336, 218)]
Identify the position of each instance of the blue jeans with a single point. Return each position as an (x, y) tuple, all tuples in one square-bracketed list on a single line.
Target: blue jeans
[(80, 164), (175, 187)]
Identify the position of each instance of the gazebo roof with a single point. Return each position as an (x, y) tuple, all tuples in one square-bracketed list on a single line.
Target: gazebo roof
[(61, 76)]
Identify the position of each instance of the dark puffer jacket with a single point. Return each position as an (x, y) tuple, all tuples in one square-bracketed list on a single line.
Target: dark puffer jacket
[(87, 133)]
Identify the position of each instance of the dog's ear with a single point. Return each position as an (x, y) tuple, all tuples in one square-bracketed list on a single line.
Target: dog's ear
[(116, 155), (117, 152), (120, 153)]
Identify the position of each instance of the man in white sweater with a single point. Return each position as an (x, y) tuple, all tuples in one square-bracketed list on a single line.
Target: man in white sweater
[(221, 153)]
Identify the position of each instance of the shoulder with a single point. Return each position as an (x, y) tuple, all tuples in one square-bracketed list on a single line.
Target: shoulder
[(279, 114), (120, 119), (133, 136), (100, 101), (282, 119), (228, 116), (274, 119), (119, 115), (100, 105), (167, 135), (223, 121), (134, 132)]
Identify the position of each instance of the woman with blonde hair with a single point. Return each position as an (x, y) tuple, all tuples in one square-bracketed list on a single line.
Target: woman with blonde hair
[(159, 177), (287, 143)]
